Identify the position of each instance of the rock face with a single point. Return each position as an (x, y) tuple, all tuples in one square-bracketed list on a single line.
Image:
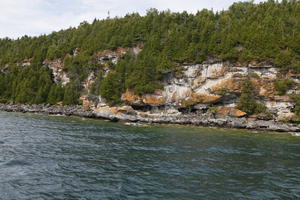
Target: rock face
[(216, 84), (232, 112), (188, 93), (154, 99), (60, 77), (89, 81), (195, 88), (106, 56)]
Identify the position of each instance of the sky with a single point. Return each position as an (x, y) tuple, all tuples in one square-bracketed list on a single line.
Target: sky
[(36, 17)]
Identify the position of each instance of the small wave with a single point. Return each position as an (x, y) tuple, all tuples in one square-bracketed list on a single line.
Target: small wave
[(16, 163)]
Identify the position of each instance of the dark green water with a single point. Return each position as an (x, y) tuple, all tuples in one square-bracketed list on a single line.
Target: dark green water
[(44, 157)]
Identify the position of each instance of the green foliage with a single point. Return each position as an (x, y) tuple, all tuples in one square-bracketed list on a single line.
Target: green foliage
[(78, 66), (247, 102), (296, 110), (142, 76), (283, 85), (54, 52), (296, 99), (295, 119), (3, 100), (56, 94), (264, 32), (72, 93), (222, 91), (213, 110), (25, 85), (95, 90), (112, 88), (254, 75), (246, 32), (187, 103)]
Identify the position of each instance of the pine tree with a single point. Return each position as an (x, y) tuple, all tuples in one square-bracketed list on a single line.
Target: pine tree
[(247, 101)]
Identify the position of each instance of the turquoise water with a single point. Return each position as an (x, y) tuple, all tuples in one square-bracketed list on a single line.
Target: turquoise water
[(44, 157)]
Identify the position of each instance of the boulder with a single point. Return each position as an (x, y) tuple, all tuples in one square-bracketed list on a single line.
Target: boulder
[(104, 112)]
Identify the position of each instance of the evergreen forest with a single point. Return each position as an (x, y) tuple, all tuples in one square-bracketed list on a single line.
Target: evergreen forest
[(267, 32)]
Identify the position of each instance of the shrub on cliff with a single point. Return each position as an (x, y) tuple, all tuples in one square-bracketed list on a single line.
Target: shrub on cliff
[(213, 110), (3, 100), (247, 101), (283, 85), (296, 99)]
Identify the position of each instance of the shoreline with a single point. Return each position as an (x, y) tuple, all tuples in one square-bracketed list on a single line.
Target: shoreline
[(202, 120)]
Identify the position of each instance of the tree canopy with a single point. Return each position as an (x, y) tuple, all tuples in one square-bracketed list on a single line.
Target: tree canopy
[(265, 32)]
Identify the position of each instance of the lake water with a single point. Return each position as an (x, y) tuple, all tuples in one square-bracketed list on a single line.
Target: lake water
[(44, 157)]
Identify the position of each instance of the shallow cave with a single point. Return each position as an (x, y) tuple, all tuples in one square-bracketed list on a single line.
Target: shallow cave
[(187, 110), (144, 108), (230, 98), (156, 109)]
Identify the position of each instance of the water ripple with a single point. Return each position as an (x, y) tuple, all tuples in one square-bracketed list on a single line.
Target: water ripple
[(44, 157)]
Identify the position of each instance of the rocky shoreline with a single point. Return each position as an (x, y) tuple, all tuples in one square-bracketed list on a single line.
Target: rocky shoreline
[(205, 120)]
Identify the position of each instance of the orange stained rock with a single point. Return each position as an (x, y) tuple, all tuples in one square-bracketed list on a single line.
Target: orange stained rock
[(198, 82), (219, 72), (153, 100), (264, 87), (130, 97), (286, 116), (114, 110), (230, 84), (106, 108), (231, 111), (204, 98), (86, 105)]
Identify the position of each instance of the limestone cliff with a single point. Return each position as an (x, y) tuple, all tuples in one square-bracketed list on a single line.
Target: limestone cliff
[(198, 87), (191, 88)]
